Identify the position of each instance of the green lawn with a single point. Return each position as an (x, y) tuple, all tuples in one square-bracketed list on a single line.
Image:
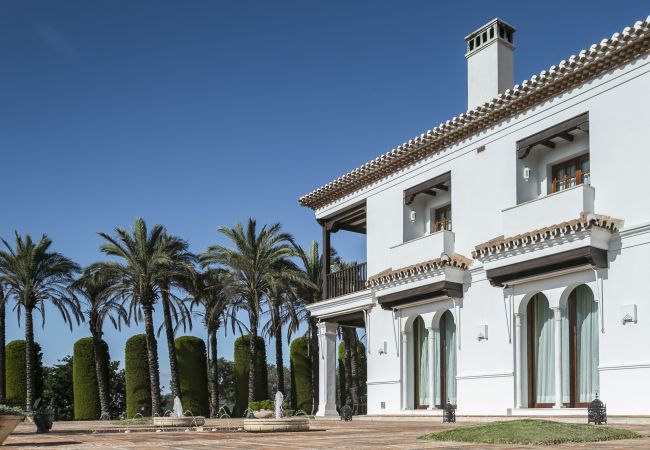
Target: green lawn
[(528, 431)]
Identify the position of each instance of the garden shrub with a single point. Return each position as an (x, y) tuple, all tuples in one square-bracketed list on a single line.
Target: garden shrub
[(84, 380), (193, 374), (301, 382), (241, 373), (138, 386), (15, 380)]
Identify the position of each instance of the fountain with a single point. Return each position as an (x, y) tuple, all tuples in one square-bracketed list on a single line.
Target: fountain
[(177, 418), (278, 423)]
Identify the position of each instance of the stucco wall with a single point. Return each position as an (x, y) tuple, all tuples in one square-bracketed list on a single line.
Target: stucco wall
[(483, 185)]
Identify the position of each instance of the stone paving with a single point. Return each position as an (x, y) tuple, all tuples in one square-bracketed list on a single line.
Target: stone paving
[(358, 434)]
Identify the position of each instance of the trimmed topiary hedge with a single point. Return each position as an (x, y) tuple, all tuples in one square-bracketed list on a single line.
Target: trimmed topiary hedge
[(193, 374), (16, 385), (138, 386), (301, 387), (241, 365), (84, 380)]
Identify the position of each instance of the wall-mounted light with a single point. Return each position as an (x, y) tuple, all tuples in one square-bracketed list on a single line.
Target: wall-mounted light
[(383, 349), (628, 314), (482, 332), (412, 216), (526, 173)]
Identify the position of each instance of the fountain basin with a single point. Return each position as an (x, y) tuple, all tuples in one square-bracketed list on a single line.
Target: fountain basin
[(276, 425), (172, 421)]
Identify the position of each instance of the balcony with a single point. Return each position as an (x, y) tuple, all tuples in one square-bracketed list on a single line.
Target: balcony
[(427, 247), (346, 281), (552, 209)]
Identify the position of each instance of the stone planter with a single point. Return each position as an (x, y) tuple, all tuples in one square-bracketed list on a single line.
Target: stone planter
[(263, 414), (276, 425), (173, 421), (7, 425)]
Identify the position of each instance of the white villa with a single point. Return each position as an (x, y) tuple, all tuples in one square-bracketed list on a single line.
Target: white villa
[(531, 300)]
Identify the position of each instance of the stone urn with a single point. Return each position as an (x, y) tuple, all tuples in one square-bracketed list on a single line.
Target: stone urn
[(7, 425), (44, 419)]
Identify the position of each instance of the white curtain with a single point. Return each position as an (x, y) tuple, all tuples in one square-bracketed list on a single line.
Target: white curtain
[(423, 357), (450, 357), (586, 344), (543, 350), (436, 357)]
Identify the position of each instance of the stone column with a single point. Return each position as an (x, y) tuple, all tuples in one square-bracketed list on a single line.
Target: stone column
[(432, 368), (327, 369), (557, 331), (518, 356), (405, 369)]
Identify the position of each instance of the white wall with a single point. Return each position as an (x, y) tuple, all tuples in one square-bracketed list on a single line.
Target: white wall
[(485, 183)]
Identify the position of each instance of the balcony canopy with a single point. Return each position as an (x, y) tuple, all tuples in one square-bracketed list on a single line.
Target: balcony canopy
[(429, 187), (547, 138), (442, 290), (351, 219)]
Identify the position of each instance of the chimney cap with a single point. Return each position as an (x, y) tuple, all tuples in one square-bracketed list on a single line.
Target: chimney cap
[(495, 29)]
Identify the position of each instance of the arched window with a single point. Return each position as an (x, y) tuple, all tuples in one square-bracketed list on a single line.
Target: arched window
[(541, 384), (421, 363), (579, 342), (447, 360), (582, 374)]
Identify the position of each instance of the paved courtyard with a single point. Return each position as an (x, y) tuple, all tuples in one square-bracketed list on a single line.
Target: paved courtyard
[(358, 434)]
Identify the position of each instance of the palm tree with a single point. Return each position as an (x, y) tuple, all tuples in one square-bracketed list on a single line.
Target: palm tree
[(279, 298), (144, 259), (32, 275), (255, 265), (175, 311), (207, 290), (3, 391), (99, 305), (309, 293)]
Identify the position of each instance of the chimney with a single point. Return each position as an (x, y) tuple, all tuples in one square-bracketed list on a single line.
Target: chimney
[(490, 69)]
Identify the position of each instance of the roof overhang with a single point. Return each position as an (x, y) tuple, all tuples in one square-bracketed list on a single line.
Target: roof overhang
[(429, 187), (577, 257), (352, 218), (439, 291), (547, 138), (601, 58)]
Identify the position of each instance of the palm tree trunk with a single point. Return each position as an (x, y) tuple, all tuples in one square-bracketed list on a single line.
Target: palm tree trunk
[(171, 348), (252, 349), (213, 379), (3, 391), (348, 365), (279, 363), (314, 364), (30, 358), (101, 371), (152, 356), (354, 363)]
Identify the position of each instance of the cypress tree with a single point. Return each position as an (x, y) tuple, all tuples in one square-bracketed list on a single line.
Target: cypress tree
[(138, 388), (15, 375), (84, 380), (241, 369), (193, 374), (301, 382)]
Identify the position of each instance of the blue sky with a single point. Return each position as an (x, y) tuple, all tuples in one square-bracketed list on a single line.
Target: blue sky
[(200, 114)]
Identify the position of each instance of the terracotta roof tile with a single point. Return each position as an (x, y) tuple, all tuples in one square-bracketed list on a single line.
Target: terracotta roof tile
[(621, 48), (389, 275), (586, 221)]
